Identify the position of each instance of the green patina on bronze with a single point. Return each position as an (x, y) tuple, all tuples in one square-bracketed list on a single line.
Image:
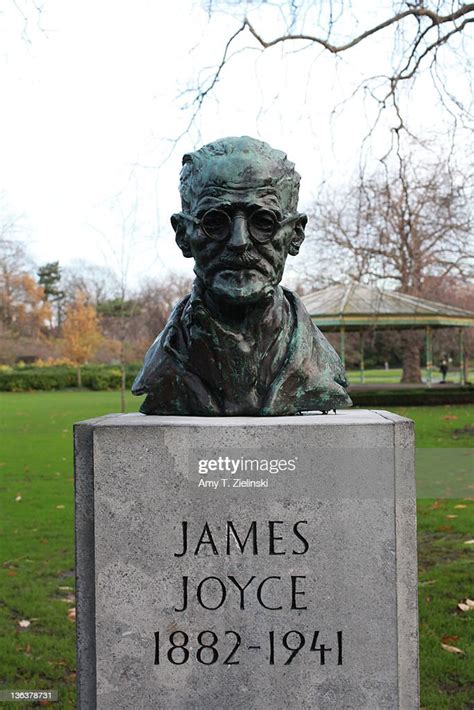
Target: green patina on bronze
[(240, 344), (239, 164)]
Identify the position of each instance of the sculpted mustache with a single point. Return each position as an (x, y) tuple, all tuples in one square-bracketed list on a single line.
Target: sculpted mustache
[(245, 259)]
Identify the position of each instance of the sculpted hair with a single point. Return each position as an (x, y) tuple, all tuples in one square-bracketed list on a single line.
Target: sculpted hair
[(238, 163)]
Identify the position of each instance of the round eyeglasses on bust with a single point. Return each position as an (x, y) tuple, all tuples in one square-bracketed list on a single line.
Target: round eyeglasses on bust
[(262, 224)]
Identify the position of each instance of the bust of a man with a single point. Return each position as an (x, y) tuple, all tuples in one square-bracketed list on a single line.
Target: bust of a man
[(240, 344)]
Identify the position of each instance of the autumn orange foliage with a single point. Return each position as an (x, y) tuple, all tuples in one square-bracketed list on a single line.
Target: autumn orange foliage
[(22, 305), (81, 335)]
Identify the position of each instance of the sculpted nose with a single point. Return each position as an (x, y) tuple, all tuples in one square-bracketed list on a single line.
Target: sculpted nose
[(239, 234)]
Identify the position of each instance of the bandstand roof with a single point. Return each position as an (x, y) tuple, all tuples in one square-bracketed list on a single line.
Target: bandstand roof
[(355, 307)]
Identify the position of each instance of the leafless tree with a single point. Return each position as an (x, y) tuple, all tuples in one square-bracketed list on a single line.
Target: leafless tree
[(118, 241), (459, 292), (96, 282), (421, 39), (157, 297), (400, 229), (14, 259), (122, 241)]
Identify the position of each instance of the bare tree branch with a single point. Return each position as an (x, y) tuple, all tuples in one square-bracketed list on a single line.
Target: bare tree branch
[(408, 226), (417, 11), (424, 28)]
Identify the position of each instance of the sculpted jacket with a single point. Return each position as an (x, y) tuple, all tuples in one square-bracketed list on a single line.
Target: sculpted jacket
[(199, 367)]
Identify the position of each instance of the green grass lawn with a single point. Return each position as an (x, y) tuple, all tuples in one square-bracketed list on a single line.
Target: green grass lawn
[(36, 539)]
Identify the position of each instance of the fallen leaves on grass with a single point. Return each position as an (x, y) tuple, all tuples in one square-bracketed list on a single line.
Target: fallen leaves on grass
[(60, 507), (71, 615), (451, 516), (13, 562), (24, 623), (18, 498), (461, 505), (26, 650), (69, 599), (450, 418), (469, 542), (451, 649), (436, 505), (449, 639), (466, 605)]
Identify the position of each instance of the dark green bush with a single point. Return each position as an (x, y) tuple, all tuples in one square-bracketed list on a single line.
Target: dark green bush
[(109, 377), (102, 379), (417, 397), (94, 377), (44, 378)]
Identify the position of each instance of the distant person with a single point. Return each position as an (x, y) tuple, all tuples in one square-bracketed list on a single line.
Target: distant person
[(443, 368)]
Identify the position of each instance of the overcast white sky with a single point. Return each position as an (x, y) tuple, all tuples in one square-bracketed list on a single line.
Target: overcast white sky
[(91, 98)]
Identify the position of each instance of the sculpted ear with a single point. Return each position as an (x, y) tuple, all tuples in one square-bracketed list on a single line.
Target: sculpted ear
[(179, 225), (299, 235)]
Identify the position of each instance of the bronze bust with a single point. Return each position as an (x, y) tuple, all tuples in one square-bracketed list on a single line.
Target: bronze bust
[(240, 344)]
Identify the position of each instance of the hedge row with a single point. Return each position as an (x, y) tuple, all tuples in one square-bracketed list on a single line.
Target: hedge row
[(106, 377), (423, 397), (58, 378)]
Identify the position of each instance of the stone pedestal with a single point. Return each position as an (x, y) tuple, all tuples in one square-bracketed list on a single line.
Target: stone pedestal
[(246, 562)]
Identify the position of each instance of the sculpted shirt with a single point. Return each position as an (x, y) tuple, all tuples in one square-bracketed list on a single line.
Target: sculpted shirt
[(201, 366)]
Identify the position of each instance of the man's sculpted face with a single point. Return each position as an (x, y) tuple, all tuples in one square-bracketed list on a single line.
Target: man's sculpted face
[(239, 267), (238, 225)]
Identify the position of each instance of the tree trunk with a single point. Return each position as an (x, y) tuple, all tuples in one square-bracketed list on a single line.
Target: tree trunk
[(411, 359), (58, 315), (122, 389), (79, 376)]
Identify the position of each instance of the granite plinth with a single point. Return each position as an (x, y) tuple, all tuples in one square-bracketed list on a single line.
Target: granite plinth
[(246, 562)]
